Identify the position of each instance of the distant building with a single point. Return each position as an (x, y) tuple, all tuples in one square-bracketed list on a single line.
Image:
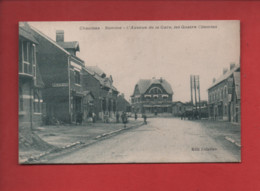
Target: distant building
[(220, 95), (30, 81), (152, 96), (123, 104), (178, 108)]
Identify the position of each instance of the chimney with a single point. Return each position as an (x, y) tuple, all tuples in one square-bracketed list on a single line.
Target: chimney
[(161, 79), (225, 70), (232, 65), (59, 35), (214, 80)]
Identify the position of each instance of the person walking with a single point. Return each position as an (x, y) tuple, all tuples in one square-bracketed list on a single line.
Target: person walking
[(124, 119), (135, 116), (145, 118)]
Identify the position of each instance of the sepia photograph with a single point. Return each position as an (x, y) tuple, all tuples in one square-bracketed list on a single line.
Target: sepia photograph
[(129, 92)]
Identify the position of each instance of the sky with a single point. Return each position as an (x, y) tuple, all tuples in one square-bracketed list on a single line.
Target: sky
[(173, 50)]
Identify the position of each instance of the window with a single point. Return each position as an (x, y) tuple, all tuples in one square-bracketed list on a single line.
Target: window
[(20, 99), (155, 90), (25, 51), (77, 77), (26, 57)]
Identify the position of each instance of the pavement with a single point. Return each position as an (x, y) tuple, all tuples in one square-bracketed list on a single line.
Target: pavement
[(162, 140), (68, 137)]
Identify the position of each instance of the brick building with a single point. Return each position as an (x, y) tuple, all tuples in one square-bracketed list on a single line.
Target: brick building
[(103, 90), (235, 99), (152, 96), (220, 94), (61, 72), (30, 81)]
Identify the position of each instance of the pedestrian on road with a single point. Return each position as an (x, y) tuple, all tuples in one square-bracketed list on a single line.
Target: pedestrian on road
[(145, 117), (124, 119), (135, 116), (79, 118)]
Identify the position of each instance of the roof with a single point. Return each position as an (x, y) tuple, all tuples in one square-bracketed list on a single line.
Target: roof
[(69, 45), (97, 73), (25, 32), (49, 39), (237, 83), (225, 76), (176, 102), (144, 84), (96, 70)]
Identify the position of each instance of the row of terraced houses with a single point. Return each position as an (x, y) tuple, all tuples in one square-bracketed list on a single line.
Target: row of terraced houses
[(55, 84)]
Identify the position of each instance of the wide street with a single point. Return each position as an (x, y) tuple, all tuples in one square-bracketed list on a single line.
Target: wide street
[(161, 140)]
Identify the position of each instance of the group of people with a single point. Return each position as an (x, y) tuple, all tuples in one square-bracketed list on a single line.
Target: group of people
[(124, 117)]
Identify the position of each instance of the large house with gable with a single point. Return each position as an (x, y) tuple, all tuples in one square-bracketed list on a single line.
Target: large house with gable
[(152, 96)]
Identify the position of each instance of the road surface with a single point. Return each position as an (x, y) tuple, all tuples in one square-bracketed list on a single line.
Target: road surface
[(161, 140)]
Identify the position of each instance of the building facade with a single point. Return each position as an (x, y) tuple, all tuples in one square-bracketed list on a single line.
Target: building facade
[(178, 108), (103, 90), (61, 72), (30, 82), (235, 100), (152, 96), (220, 94)]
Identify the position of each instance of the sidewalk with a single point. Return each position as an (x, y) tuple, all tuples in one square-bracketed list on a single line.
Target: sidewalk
[(230, 131), (64, 136)]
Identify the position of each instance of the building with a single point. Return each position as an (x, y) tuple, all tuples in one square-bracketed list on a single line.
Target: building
[(30, 81), (152, 96), (61, 72), (220, 94), (235, 99), (123, 104), (103, 90), (178, 108)]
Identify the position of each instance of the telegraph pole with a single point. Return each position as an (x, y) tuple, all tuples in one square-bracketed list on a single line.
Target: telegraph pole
[(199, 96), (191, 89), (195, 91)]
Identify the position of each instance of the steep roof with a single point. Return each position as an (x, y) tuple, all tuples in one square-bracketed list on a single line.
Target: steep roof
[(225, 76), (49, 39), (25, 32), (237, 83), (96, 70), (144, 84), (69, 45), (97, 73)]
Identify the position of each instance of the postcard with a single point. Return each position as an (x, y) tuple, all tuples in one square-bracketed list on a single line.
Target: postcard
[(129, 92)]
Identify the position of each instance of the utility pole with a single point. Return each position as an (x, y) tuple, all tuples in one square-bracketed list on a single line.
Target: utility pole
[(195, 91), (199, 96), (191, 89)]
